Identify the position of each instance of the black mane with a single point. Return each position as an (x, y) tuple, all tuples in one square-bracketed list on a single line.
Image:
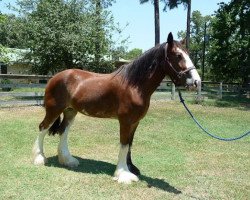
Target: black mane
[(139, 69)]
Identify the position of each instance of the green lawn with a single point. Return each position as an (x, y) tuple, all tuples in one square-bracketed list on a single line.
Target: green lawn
[(176, 159)]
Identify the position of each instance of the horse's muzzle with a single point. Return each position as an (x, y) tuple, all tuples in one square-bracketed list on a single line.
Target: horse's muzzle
[(194, 80), (196, 83)]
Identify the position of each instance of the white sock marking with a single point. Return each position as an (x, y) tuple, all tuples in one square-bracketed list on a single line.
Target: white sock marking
[(122, 173), (38, 154), (64, 156)]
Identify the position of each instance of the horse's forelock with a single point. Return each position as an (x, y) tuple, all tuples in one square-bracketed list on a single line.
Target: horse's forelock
[(179, 45)]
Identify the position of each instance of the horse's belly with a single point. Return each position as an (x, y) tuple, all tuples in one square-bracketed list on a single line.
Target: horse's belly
[(96, 98), (97, 107), (101, 113)]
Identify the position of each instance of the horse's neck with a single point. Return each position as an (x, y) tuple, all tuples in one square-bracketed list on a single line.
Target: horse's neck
[(153, 82), (137, 73)]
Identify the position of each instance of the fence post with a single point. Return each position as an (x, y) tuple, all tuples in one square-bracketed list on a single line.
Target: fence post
[(173, 92), (199, 93), (220, 90)]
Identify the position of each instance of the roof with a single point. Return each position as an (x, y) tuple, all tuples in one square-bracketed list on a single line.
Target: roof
[(15, 55)]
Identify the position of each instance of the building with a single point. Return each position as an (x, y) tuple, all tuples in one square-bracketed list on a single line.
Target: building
[(16, 63)]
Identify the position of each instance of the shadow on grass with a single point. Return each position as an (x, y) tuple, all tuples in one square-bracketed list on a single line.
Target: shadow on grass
[(100, 167)]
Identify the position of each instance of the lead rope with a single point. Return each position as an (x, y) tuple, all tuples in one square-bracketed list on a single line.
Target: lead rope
[(205, 130)]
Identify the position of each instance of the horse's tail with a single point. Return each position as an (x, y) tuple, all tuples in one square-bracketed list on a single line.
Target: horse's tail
[(54, 129)]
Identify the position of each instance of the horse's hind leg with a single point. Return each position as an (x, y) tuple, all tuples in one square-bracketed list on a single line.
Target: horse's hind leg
[(38, 154), (64, 156), (51, 119)]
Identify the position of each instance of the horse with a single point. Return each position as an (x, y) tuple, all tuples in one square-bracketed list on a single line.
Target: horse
[(123, 94)]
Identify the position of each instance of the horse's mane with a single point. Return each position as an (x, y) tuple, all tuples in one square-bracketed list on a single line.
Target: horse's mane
[(139, 69)]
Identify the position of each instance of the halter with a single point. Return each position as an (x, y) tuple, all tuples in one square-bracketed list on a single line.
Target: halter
[(181, 73)]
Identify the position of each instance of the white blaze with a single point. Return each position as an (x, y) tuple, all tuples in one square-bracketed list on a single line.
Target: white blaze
[(195, 77), (188, 61)]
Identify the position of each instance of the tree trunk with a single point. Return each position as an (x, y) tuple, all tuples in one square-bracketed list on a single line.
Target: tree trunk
[(157, 22), (188, 24), (98, 30)]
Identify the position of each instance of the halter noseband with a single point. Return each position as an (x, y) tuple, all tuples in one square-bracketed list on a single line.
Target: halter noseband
[(181, 73)]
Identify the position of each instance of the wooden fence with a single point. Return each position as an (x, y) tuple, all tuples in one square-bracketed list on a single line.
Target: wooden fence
[(22, 89), (29, 90)]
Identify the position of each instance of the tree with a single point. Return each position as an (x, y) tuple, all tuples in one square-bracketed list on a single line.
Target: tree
[(132, 54), (188, 23), (61, 34), (156, 19), (230, 41), (197, 31), (3, 50), (11, 31), (171, 4), (100, 34), (118, 52)]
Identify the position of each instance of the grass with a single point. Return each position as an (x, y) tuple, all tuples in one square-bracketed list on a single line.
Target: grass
[(177, 161)]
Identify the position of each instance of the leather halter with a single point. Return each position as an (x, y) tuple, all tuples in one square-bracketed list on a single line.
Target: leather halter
[(181, 73)]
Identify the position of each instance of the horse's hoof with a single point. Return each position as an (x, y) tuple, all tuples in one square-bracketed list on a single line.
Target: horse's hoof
[(40, 160), (126, 177), (69, 161)]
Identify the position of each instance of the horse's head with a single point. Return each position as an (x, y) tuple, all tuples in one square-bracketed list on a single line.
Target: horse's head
[(178, 65)]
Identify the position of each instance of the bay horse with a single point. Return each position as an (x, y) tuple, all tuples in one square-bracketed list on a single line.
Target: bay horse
[(123, 95)]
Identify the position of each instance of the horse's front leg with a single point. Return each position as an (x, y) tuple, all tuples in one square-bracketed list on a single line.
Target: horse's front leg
[(132, 168), (123, 172)]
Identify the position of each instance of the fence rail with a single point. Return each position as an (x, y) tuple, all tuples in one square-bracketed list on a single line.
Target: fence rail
[(28, 90), (24, 76), (19, 89)]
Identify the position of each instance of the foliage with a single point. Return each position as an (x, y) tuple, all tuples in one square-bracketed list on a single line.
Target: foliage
[(65, 34), (167, 4), (3, 50), (118, 52), (132, 54), (227, 54), (197, 36), (102, 30), (12, 31), (171, 4), (6, 81), (230, 42)]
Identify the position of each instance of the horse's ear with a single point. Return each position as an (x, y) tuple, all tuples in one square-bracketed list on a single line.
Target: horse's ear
[(170, 38), (183, 42)]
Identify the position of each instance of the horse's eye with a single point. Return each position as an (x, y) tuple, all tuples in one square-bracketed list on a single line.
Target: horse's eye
[(179, 56)]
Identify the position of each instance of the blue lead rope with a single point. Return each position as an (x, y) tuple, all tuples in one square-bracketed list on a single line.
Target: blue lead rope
[(205, 130)]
